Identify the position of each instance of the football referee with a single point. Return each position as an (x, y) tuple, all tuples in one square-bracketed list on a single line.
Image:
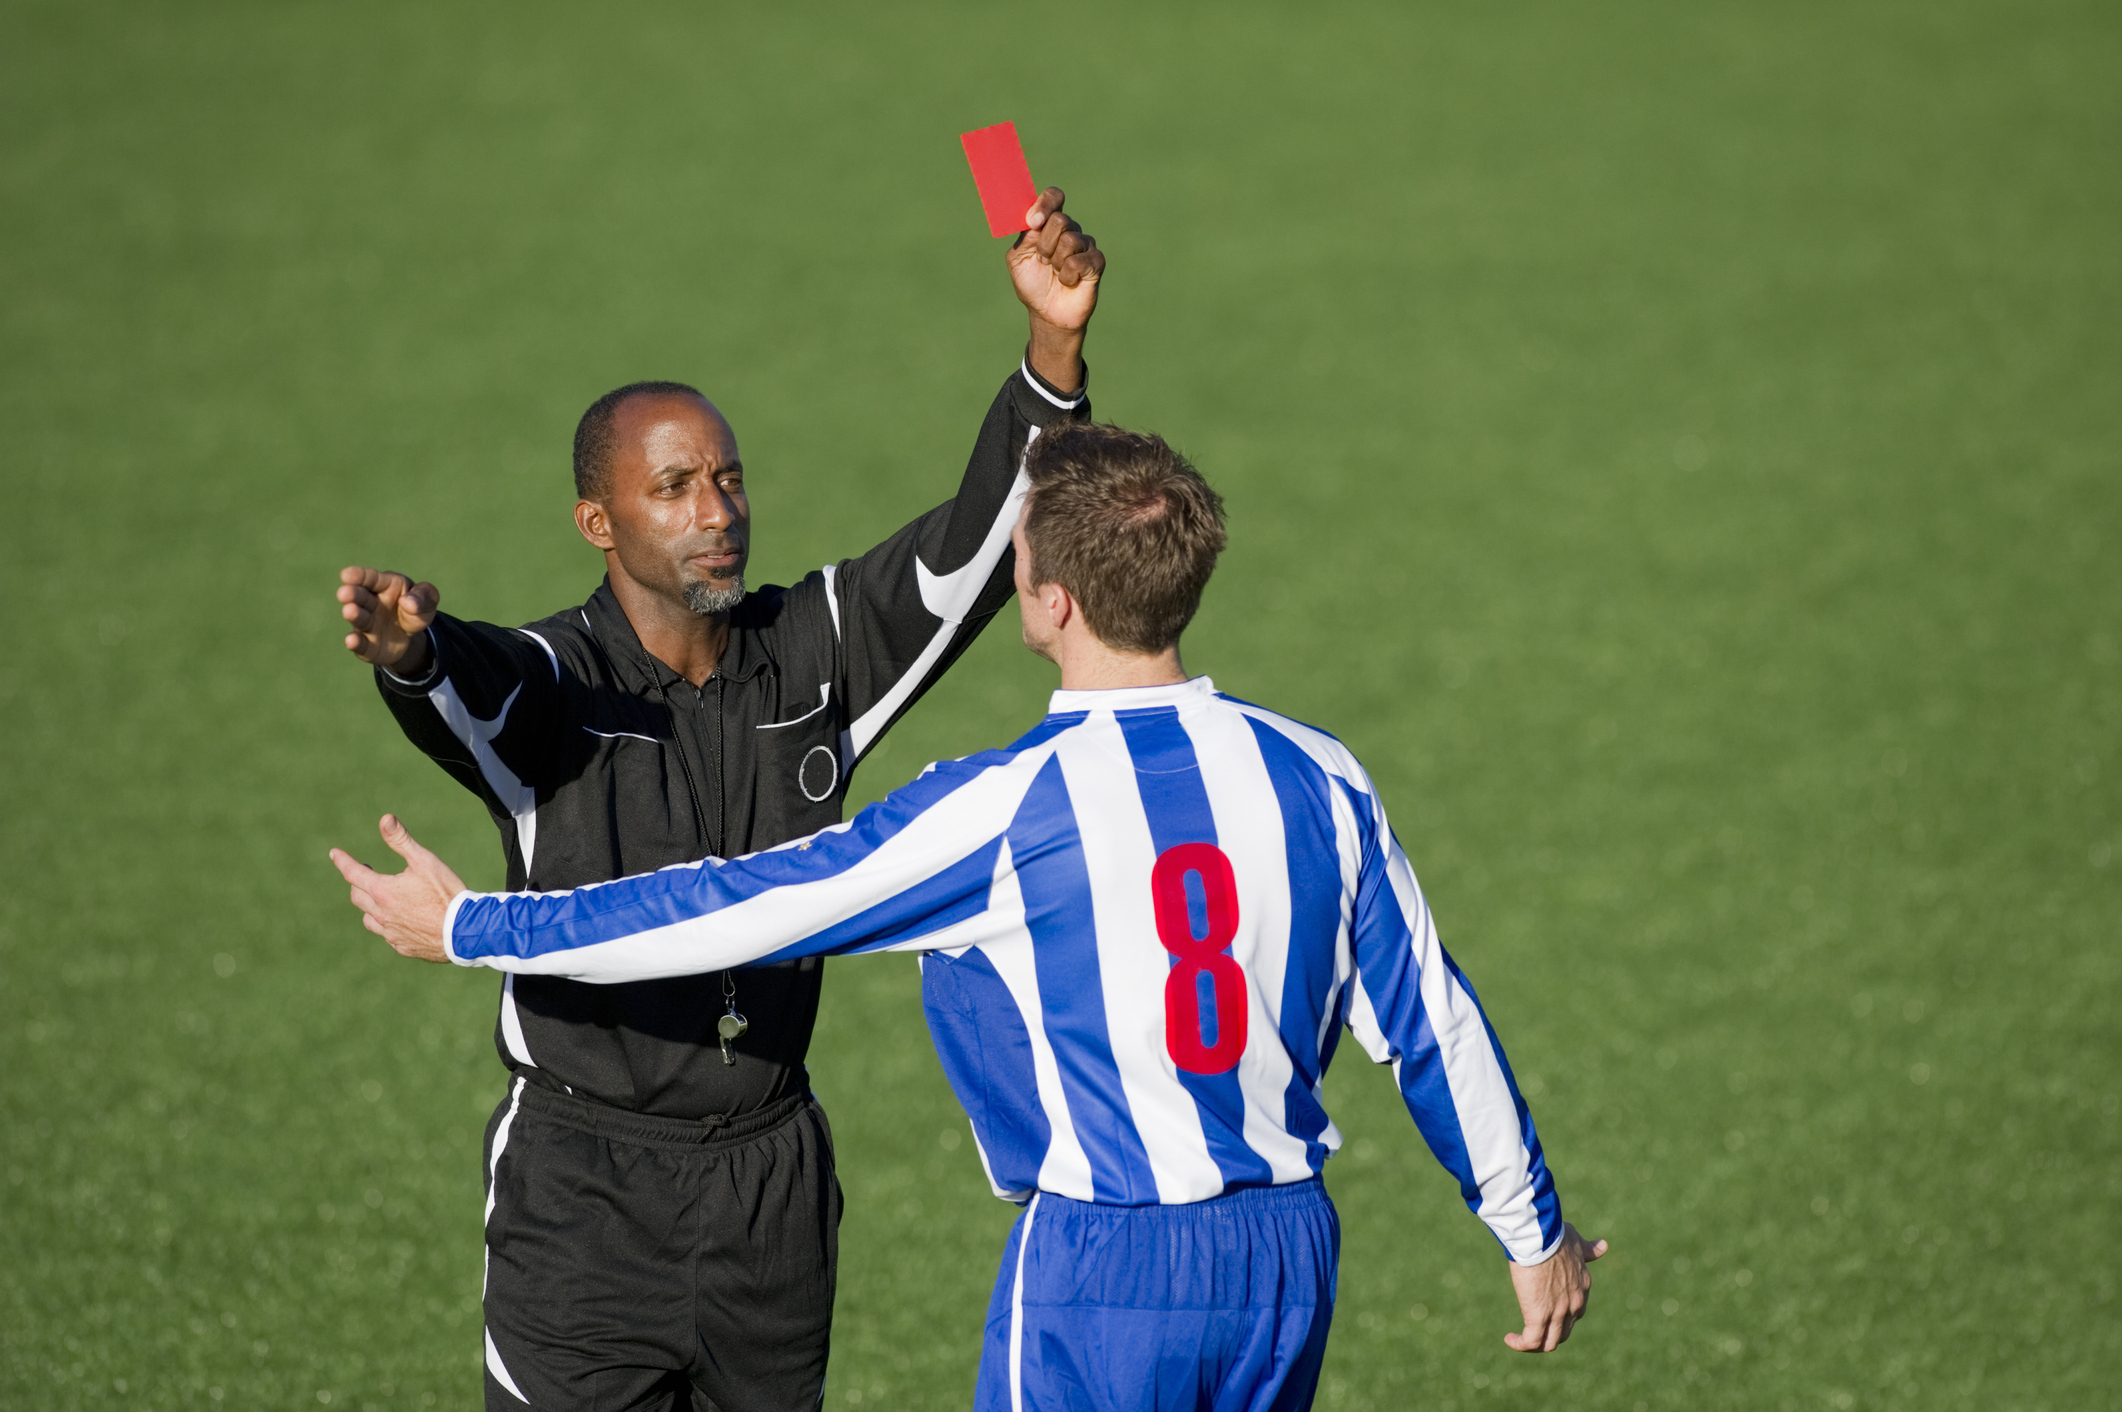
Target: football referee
[(662, 1210)]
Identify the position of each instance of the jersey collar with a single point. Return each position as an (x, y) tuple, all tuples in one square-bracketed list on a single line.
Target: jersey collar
[(742, 660), (1132, 698)]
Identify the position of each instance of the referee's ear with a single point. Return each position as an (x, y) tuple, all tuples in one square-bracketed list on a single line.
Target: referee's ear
[(594, 523)]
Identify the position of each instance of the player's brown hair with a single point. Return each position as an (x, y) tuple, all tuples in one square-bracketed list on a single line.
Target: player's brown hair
[(1126, 525)]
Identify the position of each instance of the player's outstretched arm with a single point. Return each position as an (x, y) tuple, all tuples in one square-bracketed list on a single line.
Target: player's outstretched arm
[(388, 615), (1056, 267), (908, 870), (839, 890), (1554, 1294)]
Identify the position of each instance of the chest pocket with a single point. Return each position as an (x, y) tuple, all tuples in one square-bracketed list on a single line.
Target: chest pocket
[(799, 788), (630, 789)]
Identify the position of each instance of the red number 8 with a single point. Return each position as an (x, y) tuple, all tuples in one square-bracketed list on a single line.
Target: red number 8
[(1182, 990)]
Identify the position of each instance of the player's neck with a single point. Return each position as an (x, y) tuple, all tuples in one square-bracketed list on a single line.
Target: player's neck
[(1089, 665)]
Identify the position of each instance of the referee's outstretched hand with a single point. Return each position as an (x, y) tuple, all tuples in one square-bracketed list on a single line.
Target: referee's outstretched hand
[(1554, 1294), (405, 909), (388, 614)]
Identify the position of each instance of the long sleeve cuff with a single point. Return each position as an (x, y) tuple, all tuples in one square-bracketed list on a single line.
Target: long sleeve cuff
[(1543, 1257), (425, 682), (449, 927), (1053, 396)]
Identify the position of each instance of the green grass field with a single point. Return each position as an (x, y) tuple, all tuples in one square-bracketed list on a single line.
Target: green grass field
[(1673, 444)]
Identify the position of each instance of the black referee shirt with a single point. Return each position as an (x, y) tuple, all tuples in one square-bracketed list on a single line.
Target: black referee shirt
[(598, 761)]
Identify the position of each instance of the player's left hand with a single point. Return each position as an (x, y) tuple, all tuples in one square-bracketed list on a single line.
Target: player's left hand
[(1056, 265), (1554, 1294), (405, 909)]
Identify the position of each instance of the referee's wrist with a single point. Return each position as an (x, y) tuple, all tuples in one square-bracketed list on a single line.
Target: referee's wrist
[(419, 673), (1064, 399), (1057, 354)]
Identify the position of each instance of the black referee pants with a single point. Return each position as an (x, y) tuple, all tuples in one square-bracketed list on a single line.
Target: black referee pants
[(635, 1262)]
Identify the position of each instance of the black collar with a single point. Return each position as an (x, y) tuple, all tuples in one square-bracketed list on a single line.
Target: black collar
[(742, 659)]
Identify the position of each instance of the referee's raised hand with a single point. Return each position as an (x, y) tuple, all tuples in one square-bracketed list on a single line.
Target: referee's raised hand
[(388, 614), (1056, 266)]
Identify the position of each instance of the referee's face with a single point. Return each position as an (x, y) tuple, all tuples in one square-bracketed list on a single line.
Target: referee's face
[(677, 514)]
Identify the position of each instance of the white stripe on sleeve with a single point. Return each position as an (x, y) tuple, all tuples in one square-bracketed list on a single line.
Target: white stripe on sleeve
[(949, 597), (478, 736), (1488, 1116)]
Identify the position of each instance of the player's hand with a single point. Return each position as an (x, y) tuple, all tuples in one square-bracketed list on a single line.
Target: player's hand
[(389, 615), (405, 909), (1056, 266), (1554, 1294)]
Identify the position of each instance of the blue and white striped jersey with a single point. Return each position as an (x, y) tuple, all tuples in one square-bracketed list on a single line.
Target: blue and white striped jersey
[(1143, 925)]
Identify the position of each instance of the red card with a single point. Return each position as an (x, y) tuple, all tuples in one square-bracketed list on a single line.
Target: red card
[(1003, 176)]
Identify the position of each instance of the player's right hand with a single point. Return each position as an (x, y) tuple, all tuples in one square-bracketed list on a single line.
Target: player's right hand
[(409, 909), (1554, 1294), (389, 616)]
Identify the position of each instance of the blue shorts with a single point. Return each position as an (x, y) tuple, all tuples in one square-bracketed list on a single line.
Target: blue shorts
[(1220, 1306)]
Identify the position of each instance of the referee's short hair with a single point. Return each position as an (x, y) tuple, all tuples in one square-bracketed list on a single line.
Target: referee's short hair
[(596, 441), (1126, 525)]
